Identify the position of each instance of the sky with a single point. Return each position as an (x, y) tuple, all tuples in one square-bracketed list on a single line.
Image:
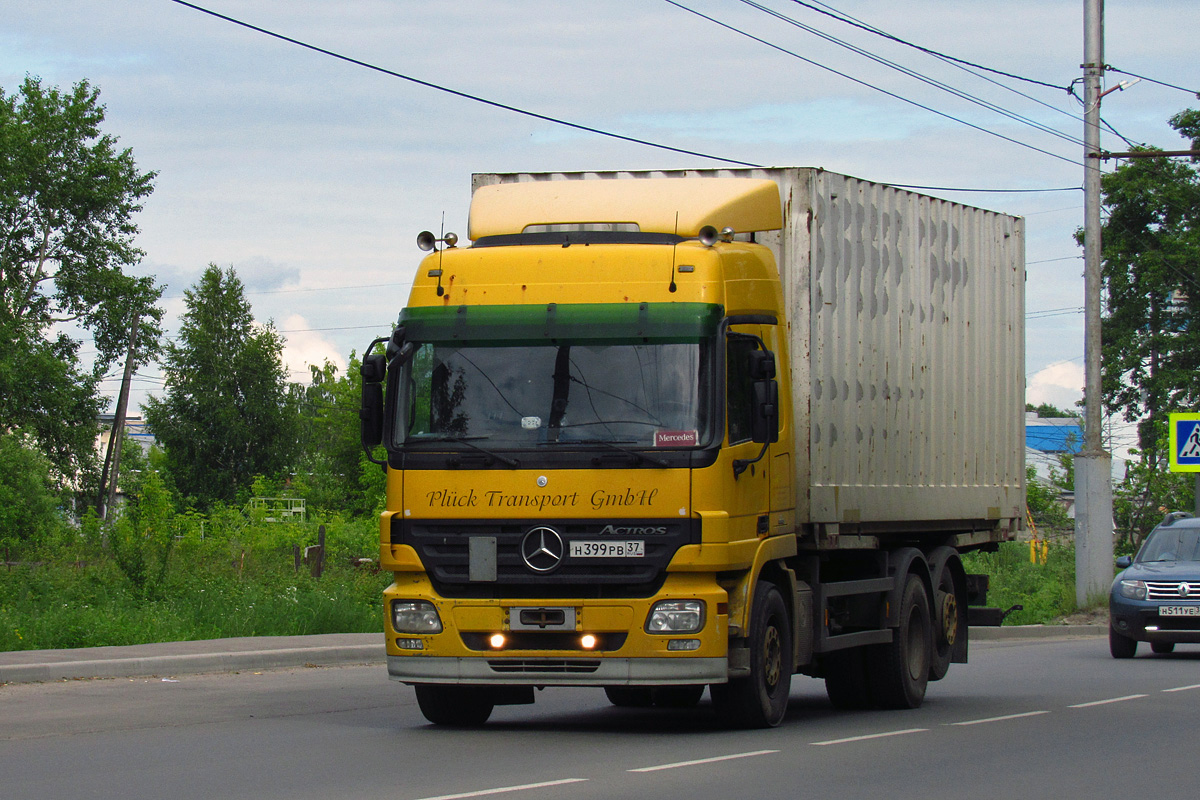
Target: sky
[(311, 176)]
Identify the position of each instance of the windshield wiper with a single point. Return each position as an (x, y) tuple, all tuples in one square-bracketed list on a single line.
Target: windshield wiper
[(640, 457), (466, 440)]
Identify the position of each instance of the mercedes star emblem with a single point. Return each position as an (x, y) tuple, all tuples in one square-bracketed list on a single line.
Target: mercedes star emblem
[(542, 549)]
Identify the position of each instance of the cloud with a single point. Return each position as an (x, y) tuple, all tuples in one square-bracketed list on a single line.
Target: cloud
[(1059, 385), (306, 347)]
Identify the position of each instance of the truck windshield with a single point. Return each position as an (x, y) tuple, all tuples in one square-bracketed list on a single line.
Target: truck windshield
[(638, 394), (591, 384)]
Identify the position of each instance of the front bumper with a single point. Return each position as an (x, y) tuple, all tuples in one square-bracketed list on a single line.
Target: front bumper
[(1140, 620), (543, 671), (626, 654)]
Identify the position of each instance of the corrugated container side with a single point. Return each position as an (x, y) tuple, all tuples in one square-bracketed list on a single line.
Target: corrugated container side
[(906, 331)]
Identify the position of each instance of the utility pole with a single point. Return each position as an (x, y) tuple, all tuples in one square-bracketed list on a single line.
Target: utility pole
[(116, 438), (1093, 466)]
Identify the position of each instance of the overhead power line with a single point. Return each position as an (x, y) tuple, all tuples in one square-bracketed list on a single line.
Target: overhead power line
[(457, 93), (1193, 92), (861, 82), (912, 73), (849, 20)]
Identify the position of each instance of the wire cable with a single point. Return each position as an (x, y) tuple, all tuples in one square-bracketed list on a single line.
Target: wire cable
[(860, 82), (1111, 68), (945, 87), (463, 95), (849, 20)]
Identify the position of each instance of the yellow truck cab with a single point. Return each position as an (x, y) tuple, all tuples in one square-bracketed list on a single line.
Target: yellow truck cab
[(593, 475)]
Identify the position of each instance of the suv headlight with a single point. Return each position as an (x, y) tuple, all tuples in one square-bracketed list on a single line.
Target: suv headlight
[(415, 616), (676, 616), (1135, 590)]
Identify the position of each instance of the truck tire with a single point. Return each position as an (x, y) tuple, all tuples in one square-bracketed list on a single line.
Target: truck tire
[(947, 615), (630, 696), (1121, 646), (455, 706), (899, 670), (846, 679), (760, 699)]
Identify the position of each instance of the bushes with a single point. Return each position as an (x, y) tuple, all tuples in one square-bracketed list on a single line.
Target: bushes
[(1045, 590), (163, 576)]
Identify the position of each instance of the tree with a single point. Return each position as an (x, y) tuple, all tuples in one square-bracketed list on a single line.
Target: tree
[(332, 463), (225, 417), (1151, 249), (67, 200)]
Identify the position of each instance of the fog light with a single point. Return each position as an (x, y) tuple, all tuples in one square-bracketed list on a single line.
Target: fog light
[(410, 644), (683, 644), (497, 641), (587, 641), (676, 616)]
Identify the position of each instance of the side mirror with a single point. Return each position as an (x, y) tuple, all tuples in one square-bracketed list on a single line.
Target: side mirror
[(764, 424), (373, 369), (762, 365), (370, 415), (1124, 562)]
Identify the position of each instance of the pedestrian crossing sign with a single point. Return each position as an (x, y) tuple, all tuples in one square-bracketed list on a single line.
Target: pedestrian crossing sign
[(1185, 442)]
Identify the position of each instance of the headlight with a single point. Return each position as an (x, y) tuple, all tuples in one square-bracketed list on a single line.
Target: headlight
[(415, 616), (1135, 590), (676, 616)]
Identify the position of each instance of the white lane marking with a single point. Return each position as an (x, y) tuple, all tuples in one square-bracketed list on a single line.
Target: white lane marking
[(1001, 719), (1110, 700), (704, 761), (1183, 688), (849, 739), (505, 789)]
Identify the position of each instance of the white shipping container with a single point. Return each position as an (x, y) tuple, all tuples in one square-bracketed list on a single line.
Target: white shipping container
[(906, 327)]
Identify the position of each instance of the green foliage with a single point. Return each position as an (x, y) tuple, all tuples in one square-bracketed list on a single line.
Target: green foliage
[(29, 502), (334, 474), (225, 417), (1046, 591), (67, 199), (1151, 333), (167, 576), (1049, 411), (1041, 499)]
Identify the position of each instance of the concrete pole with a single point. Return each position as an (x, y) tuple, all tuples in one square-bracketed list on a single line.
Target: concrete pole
[(1093, 466)]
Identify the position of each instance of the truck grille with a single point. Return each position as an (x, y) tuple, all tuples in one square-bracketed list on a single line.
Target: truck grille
[(546, 665), (1173, 590), (444, 548)]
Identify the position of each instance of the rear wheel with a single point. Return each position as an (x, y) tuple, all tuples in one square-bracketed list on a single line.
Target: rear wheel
[(1121, 646), (458, 706), (630, 696), (899, 670), (947, 614), (1162, 647), (760, 699)]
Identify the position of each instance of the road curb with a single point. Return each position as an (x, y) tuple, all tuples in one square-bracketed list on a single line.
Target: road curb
[(1012, 632), (236, 655), (221, 656)]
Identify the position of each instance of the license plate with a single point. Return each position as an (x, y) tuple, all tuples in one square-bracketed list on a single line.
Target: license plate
[(1179, 611), (625, 549)]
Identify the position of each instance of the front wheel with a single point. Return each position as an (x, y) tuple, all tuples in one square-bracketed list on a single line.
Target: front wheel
[(455, 706), (1162, 648), (630, 696), (760, 699), (1121, 646)]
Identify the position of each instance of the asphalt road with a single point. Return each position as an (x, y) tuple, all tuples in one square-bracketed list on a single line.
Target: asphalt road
[(1026, 719)]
